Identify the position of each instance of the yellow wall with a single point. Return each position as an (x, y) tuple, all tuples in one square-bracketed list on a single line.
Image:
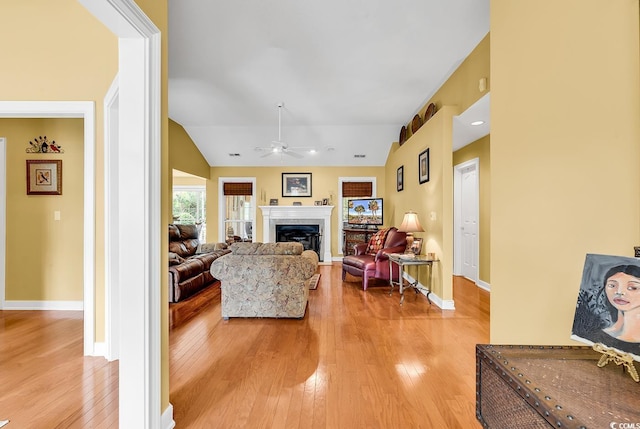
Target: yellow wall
[(436, 196), (564, 156), (433, 200), (45, 258), (480, 149), (76, 58), (183, 153), (324, 181)]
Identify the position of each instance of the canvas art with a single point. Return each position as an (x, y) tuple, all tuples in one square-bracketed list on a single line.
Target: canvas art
[(608, 306)]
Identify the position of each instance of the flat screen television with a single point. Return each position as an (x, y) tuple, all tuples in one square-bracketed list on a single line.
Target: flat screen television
[(365, 211)]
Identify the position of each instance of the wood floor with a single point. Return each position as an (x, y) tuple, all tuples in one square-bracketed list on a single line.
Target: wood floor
[(357, 360)]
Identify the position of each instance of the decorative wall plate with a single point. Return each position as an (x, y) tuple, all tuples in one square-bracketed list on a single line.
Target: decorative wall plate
[(431, 110), (416, 123), (403, 135)]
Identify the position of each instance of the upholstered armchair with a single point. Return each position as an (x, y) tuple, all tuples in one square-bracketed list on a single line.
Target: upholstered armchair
[(370, 259)]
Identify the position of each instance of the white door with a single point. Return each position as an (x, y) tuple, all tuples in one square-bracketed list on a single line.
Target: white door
[(469, 221)]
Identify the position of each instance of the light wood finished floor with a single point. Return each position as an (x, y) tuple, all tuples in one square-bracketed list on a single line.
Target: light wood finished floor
[(357, 360)]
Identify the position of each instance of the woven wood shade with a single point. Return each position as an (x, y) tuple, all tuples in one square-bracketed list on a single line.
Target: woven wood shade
[(357, 189), (238, 188)]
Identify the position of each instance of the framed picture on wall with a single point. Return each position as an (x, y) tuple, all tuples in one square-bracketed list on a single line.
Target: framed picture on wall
[(423, 166), (44, 177), (400, 178), (296, 184)]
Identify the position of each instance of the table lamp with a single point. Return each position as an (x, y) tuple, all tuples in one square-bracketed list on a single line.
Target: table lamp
[(410, 224)]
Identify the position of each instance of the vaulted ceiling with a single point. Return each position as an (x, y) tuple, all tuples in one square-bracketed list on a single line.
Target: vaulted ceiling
[(349, 73)]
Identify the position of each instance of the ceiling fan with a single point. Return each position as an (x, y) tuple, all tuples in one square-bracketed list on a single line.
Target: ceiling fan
[(278, 146)]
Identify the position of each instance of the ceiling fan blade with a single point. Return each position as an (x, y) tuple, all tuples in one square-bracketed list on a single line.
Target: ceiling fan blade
[(291, 153)]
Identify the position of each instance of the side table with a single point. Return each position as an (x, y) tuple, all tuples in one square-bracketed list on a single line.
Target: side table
[(405, 260)]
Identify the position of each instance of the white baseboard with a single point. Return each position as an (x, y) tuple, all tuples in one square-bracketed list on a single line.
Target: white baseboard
[(167, 418), (484, 285), (44, 305), (447, 304), (100, 349)]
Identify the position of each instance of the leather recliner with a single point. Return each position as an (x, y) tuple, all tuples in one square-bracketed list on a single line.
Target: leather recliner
[(369, 262)]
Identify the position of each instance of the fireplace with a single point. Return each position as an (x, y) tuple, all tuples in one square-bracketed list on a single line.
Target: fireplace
[(298, 217), (307, 235)]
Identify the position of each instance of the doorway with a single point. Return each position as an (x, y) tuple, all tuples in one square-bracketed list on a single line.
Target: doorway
[(466, 215), (64, 109)]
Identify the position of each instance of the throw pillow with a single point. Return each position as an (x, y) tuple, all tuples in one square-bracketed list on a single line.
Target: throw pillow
[(175, 259), (377, 241)]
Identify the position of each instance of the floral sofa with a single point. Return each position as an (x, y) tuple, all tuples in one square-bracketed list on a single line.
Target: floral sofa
[(265, 279), (189, 261)]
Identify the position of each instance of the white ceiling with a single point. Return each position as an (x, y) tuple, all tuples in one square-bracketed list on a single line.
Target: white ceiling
[(349, 72)]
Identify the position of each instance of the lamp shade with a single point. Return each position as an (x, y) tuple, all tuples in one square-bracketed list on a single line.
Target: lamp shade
[(410, 223)]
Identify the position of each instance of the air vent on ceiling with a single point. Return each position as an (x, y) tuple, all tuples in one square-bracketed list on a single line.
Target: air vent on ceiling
[(359, 155), (234, 154)]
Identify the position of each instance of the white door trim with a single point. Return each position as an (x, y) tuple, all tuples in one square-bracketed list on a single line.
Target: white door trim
[(457, 216), (139, 210), (3, 217), (111, 230), (66, 109)]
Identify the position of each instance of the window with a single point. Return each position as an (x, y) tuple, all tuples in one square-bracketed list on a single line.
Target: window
[(352, 187), (189, 207), (238, 210), (354, 190)]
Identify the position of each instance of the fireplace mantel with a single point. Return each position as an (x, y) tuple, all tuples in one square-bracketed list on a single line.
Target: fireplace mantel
[(285, 215)]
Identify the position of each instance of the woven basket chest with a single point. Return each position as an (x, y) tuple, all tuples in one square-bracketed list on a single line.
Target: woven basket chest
[(561, 387)]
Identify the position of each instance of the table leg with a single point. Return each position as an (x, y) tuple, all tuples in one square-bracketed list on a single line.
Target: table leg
[(401, 282)]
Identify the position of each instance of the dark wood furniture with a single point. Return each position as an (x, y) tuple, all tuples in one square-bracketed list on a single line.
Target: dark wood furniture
[(552, 386), (353, 236)]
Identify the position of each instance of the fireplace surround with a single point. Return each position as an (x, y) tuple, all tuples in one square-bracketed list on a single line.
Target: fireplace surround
[(299, 215)]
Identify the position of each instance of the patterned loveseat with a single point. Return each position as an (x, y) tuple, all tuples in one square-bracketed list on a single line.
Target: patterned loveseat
[(265, 279)]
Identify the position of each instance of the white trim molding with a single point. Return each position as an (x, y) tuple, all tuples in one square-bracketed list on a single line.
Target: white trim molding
[(45, 305), (86, 111)]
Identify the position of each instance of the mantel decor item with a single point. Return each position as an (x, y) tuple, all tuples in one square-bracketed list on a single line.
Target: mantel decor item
[(296, 184), (44, 177), (42, 145), (605, 312), (423, 166), (400, 178), (273, 202)]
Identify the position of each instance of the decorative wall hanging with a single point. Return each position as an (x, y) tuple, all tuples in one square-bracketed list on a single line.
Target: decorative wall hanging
[(431, 110), (296, 184), (400, 178), (403, 135), (44, 177), (41, 145), (416, 123), (423, 166)]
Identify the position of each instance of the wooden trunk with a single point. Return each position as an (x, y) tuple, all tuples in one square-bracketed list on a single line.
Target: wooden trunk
[(552, 386)]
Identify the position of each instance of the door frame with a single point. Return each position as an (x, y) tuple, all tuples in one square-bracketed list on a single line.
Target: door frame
[(62, 109), (457, 216)]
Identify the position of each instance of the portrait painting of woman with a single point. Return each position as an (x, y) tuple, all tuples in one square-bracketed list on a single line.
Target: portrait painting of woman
[(608, 308)]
